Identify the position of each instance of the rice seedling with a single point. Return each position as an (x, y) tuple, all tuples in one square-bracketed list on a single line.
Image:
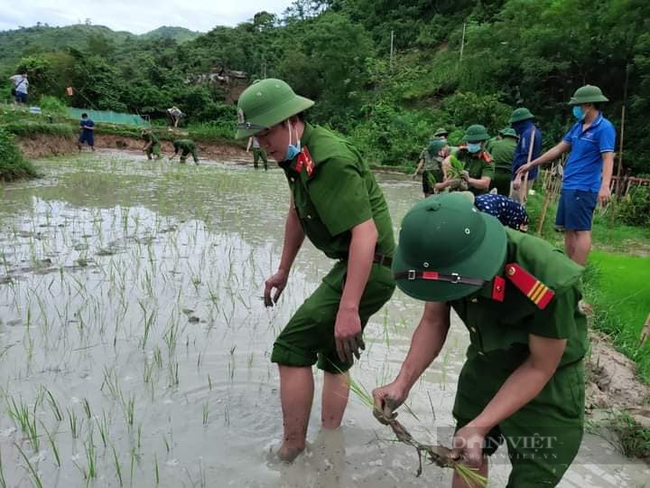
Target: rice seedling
[(75, 423), (436, 454), (53, 445), (103, 428), (116, 463), (86, 406), (30, 468), (128, 409), (3, 481), (22, 417), (156, 471), (206, 413)]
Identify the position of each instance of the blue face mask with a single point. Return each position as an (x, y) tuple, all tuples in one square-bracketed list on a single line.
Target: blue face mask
[(577, 112), (474, 147), (292, 149)]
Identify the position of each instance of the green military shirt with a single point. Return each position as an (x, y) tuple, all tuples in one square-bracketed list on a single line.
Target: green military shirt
[(185, 145), (340, 193), (495, 325), (502, 152), (432, 164), (150, 137), (478, 166)]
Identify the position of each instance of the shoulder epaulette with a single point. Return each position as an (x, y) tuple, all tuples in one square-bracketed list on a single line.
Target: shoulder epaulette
[(486, 157), (535, 290)]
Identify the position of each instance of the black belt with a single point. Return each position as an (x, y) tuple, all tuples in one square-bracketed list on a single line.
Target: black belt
[(382, 260)]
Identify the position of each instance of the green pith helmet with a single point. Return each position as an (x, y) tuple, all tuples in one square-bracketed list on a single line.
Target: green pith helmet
[(588, 94), (457, 248), (509, 132), (441, 132), (267, 103), (519, 114), (476, 133), (436, 145)]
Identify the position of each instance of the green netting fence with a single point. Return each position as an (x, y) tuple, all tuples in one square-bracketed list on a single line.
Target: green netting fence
[(110, 117)]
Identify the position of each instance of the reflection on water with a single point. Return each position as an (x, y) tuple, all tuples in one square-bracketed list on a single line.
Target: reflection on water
[(134, 346)]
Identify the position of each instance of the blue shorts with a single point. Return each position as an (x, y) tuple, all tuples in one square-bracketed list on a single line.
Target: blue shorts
[(21, 97), (576, 209), (87, 137)]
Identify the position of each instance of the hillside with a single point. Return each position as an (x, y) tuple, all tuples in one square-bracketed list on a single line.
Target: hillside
[(178, 34)]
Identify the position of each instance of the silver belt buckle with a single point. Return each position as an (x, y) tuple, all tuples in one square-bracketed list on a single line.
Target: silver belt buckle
[(455, 278), (411, 275)]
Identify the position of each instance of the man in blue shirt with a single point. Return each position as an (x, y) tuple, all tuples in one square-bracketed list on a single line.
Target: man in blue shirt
[(587, 173), (87, 135), (522, 122)]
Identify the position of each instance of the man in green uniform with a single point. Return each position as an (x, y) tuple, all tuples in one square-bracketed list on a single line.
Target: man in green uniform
[(151, 144), (479, 167), (441, 132), (258, 153), (502, 149), (430, 164), (518, 296), (337, 204), (187, 147)]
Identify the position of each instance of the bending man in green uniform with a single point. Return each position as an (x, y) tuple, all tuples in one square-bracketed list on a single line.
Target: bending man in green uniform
[(502, 149), (337, 204), (518, 296), (187, 147), (151, 144), (431, 161), (479, 167)]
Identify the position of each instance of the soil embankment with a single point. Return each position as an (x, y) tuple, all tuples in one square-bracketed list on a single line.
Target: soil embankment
[(45, 145)]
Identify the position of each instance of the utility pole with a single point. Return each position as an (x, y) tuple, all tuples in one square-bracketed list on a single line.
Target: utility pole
[(619, 172), (392, 39), (462, 42)]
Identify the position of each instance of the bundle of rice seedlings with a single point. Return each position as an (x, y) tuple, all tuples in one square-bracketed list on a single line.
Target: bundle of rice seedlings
[(435, 454)]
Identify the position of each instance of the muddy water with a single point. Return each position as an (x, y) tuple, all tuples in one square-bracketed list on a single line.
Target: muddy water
[(134, 342)]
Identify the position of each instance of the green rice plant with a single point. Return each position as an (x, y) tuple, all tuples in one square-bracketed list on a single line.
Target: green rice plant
[(3, 481), (87, 408), (30, 468), (116, 463), (22, 417), (128, 409), (53, 445), (206, 413), (166, 442), (75, 424), (156, 471), (103, 428)]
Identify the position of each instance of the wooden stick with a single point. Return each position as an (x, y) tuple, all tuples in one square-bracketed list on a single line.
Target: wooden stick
[(548, 186), (523, 198)]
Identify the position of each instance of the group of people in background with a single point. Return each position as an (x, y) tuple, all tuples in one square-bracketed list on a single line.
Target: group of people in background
[(501, 171)]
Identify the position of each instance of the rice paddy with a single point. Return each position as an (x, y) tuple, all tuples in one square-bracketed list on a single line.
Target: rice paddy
[(134, 345)]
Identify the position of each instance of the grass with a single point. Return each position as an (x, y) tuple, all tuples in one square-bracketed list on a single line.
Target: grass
[(617, 287)]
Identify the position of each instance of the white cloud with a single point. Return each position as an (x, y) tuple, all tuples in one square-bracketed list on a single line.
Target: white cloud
[(138, 16)]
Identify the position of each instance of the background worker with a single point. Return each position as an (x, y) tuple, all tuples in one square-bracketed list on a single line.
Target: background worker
[(521, 121), (151, 144), (258, 152), (587, 172), (87, 134), (479, 167), (187, 147), (502, 150), (20, 88)]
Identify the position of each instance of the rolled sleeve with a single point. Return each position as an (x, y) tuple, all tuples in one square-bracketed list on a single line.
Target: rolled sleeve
[(340, 196), (557, 320)]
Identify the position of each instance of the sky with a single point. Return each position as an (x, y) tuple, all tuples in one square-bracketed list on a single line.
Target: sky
[(137, 16)]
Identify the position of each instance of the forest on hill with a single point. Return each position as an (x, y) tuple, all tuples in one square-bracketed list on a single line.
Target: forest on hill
[(453, 63)]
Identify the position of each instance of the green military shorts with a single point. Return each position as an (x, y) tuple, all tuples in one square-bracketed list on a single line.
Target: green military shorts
[(544, 436), (309, 335)]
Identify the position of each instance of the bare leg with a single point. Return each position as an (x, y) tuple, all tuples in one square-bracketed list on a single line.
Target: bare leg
[(568, 243), (581, 246), (458, 481), (336, 391), (297, 394)]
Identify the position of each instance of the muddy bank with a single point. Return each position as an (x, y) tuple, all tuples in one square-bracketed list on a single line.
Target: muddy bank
[(612, 383), (45, 145)]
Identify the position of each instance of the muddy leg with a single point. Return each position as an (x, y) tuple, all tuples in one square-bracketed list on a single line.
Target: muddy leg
[(297, 393), (335, 398)]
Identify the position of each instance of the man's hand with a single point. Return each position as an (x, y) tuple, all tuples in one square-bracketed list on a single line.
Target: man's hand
[(387, 399), (278, 282), (348, 334), (604, 195), (464, 175), (524, 168), (516, 183), (468, 446)]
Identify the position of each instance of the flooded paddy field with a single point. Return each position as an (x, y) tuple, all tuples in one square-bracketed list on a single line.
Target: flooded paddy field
[(134, 344)]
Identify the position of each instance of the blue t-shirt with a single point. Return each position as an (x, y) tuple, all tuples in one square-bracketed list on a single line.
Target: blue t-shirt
[(87, 123), (584, 168)]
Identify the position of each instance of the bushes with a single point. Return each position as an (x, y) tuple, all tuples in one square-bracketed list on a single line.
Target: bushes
[(53, 105), (28, 129), (634, 208), (13, 165)]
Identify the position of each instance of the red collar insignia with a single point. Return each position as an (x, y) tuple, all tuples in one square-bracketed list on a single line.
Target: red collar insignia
[(305, 161)]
